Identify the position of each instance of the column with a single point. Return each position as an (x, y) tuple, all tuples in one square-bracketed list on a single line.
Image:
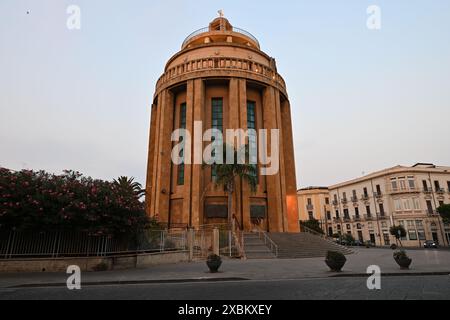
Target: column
[(233, 123), (282, 166), (163, 184), (289, 164), (197, 170), (188, 167), (274, 207), (246, 192), (150, 162)]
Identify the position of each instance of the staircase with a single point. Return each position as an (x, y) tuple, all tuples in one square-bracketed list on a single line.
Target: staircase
[(255, 247), (304, 245)]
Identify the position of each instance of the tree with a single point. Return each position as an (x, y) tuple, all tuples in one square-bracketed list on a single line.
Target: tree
[(128, 187), (228, 174), (313, 224), (444, 211), (398, 232)]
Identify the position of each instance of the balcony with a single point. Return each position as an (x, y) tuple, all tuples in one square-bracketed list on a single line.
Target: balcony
[(309, 207), (440, 191), (368, 217), (364, 197), (347, 219), (335, 203), (355, 199), (382, 217), (344, 201), (357, 218), (378, 195), (433, 214), (337, 220), (403, 190), (427, 190)]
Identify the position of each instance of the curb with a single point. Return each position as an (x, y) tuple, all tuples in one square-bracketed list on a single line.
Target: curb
[(120, 282)]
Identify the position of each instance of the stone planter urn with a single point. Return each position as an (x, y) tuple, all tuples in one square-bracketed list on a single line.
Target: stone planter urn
[(335, 261), (214, 262), (402, 260)]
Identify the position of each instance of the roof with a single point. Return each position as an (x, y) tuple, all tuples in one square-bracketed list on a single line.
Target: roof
[(419, 167)]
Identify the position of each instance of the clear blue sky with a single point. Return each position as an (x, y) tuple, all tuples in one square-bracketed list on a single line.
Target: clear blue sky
[(362, 100)]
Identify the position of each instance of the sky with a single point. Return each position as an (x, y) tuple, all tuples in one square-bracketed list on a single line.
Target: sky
[(362, 100)]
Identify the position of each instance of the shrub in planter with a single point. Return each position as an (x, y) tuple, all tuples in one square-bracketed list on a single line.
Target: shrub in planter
[(402, 259), (214, 262), (101, 267), (335, 261)]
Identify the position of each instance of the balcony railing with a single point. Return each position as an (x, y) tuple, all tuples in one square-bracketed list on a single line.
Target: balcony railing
[(344, 201), (309, 207), (220, 64), (335, 203), (440, 191), (357, 218), (433, 213), (337, 219), (365, 197), (382, 216), (354, 199), (347, 219), (368, 217), (206, 29), (378, 195), (427, 190)]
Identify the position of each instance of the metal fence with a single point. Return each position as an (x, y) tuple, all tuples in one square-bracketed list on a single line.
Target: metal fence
[(203, 243), (70, 244)]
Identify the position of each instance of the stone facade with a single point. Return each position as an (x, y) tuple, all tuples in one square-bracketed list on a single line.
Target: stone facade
[(219, 66), (367, 207)]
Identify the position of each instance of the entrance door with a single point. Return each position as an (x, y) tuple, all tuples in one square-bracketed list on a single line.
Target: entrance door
[(360, 236), (435, 237), (372, 238), (330, 231)]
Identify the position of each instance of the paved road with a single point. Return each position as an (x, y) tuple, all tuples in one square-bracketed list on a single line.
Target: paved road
[(403, 287)]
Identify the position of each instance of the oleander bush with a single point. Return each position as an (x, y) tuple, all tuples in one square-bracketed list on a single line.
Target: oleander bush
[(33, 201)]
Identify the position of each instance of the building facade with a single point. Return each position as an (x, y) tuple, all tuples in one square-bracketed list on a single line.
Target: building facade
[(314, 203), (368, 206), (223, 80)]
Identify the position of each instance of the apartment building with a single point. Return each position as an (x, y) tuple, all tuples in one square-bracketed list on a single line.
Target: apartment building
[(367, 207)]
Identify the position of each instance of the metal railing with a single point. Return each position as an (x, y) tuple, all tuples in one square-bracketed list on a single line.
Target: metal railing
[(71, 244), (206, 29), (269, 243)]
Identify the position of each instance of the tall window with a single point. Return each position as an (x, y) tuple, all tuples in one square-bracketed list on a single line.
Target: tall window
[(182, 125), (357, 212), (411, 182), (251, 126), (216, 123), (382, 209), (368, 211), (366, 194)]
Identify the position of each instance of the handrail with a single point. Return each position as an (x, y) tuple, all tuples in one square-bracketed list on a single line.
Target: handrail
[(206, 29), (267, 241)]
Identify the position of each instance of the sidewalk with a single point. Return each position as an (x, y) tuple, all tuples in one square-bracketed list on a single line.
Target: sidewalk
[(424, 261)]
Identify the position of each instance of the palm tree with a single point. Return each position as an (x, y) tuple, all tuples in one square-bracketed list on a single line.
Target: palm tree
[(227, 175), (129, 186)]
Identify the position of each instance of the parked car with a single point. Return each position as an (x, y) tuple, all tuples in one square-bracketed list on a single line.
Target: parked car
[(430, 244), (358, 243)]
